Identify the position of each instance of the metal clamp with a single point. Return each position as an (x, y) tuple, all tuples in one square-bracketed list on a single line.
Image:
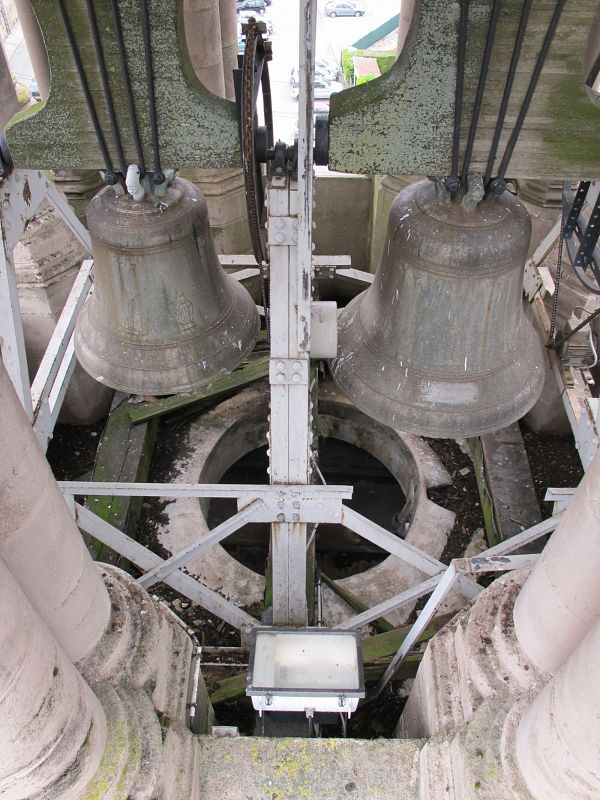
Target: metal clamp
[(298, 506), (283, 231), (288, 371)]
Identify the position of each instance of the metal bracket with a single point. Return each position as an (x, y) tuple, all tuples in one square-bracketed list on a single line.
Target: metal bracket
[(286, 371), (283, 231), (297, 506), (324, 272)]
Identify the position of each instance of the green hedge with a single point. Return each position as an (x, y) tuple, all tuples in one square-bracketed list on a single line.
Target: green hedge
[(385, 62)]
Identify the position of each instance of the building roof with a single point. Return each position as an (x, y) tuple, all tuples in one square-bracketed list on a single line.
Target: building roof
[(365, 67), (384, 30)]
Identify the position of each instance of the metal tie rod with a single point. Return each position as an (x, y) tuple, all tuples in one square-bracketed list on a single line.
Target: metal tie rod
[(219, 533), (448, 580), (406, 552), (145, 559)]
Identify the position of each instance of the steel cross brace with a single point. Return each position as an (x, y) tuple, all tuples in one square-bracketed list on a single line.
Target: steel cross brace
[(21, 194), (495, 559), (147, 560)]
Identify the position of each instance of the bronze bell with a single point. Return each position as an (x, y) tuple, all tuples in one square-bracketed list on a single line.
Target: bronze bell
[(439, 344), (164, 316)]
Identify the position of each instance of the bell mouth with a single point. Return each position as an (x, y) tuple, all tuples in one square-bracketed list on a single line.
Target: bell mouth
[(413, 400), (188, 363)]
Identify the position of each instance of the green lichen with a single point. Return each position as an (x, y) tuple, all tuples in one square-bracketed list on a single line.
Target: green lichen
[(197, 128), (574, 140), (111, 766)]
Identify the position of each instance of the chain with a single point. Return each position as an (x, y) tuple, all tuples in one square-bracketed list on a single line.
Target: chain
[(561, 241), (250, 171)]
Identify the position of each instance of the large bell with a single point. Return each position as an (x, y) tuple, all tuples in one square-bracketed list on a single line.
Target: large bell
[(439, 344), (164, 316)]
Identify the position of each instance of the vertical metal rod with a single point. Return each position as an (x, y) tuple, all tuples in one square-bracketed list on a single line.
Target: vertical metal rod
[(12, 339), (112, 116), (531, 88), (85, 87), (508, 89), (441, 590), (308, 31), (116, 15), (158, 174), (290, 288), (460, 79), (483, 73)]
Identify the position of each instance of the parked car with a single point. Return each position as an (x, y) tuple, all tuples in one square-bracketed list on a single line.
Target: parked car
[(321, 73), (323, 89), (34, 89), (329, 68), (265, 2), (344, 9), (252, 5)]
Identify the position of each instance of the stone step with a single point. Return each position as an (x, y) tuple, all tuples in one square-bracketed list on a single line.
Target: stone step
[(336, 769)]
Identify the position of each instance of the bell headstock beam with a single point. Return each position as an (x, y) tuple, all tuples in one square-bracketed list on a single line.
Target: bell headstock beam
[(195, 127), (402, 122)]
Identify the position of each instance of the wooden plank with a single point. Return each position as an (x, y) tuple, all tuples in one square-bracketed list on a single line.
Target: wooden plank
[(377, 652), (224, 387), (124, 454), (487, 507), (510, 482)]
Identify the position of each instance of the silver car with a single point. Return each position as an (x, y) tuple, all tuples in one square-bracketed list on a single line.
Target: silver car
[(323, 89), (343, 9)]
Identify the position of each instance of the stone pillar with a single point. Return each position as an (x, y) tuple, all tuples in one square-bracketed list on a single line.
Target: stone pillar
[(39, 540), (52, 727), (79, 186), (208, 45), (229, 44), (35, 46), (560, 600), (9, 105), (557, 742), (406, 11), (203, 37)]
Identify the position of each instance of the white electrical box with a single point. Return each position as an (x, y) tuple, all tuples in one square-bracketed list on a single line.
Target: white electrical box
[(305, 669)]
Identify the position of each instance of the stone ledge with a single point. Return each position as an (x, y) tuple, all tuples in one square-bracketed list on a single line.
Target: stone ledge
[(313, 769)]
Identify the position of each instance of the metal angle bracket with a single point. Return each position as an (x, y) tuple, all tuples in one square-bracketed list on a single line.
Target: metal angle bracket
[(288, 371), (295, 506), (283, 231)]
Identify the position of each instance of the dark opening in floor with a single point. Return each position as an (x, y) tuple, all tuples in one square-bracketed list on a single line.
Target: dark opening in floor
[(340, 552)]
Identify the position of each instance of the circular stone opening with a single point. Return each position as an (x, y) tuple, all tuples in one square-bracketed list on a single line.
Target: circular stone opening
[(340, 552)]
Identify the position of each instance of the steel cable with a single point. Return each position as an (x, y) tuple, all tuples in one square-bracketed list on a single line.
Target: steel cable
[(158, 173), (114, 7), (110, 177), (541, 59), (112, 116), (483, 73), (516, 54)]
